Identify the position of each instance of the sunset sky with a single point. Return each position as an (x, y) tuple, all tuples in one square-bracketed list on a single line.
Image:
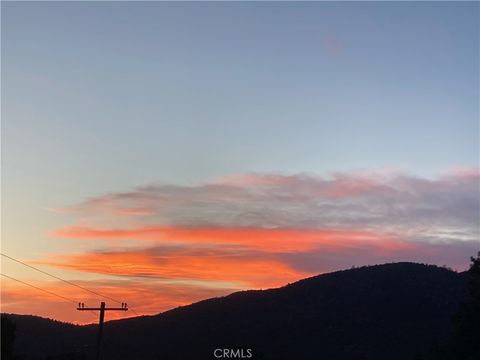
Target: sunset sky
[(164, 153)]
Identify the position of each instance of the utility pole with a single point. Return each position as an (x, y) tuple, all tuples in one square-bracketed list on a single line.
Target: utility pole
[(102, 309)]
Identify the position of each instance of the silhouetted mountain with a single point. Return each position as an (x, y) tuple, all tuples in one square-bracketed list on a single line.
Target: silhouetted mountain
[(391, 311)]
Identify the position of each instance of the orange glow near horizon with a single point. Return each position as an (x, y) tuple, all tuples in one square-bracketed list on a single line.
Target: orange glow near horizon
[(155, 298)]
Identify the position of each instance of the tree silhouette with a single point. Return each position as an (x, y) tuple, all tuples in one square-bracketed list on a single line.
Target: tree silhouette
[(466, 324), (464, 341)]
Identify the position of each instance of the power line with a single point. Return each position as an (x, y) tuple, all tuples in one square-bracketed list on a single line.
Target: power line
[(65, 281), (38, 288), (58, 278)]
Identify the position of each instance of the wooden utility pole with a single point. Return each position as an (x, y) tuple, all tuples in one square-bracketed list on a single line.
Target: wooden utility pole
[(102, 309)]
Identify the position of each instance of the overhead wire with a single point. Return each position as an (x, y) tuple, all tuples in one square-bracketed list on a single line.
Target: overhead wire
[(65, 281), (40, 289), (59, 278)]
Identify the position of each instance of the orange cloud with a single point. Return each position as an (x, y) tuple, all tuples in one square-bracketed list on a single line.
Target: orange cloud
[(243, 257), (245, 270), (271, 240)]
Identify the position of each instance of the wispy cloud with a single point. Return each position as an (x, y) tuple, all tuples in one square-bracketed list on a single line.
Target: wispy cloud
[(264, 230), (264, 239), (213, 266), (442, 209)]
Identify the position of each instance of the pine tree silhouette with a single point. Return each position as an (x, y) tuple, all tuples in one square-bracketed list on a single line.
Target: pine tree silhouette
[(464, 341)]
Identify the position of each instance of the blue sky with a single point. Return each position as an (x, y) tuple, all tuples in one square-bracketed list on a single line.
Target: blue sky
[(184, 92), (100, 98)]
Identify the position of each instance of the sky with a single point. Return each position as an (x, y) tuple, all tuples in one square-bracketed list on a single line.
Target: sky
[(162, 153)]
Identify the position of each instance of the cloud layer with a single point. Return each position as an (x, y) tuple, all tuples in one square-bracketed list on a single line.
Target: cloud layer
[(237, 227), (264, 230), (442, 209)]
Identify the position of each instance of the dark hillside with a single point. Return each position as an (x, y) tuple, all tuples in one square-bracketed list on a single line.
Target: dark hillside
[(392, 311)]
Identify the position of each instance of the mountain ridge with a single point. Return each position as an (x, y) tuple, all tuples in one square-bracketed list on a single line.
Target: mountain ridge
[(362, 312)]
